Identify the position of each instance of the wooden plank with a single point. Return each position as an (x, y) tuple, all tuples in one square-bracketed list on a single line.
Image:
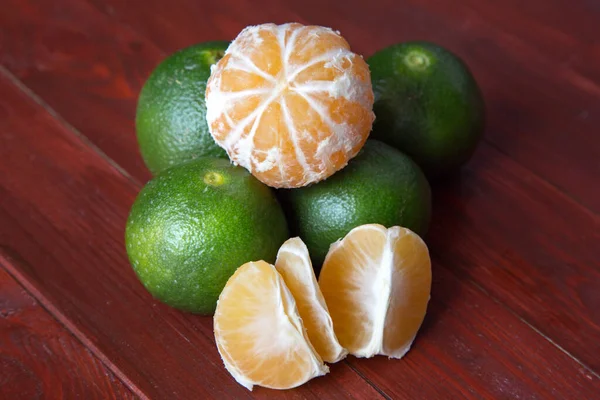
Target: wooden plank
[(63, 210), (39, 358), (63, 213), (519, 99), (526, 244), (68, 53)]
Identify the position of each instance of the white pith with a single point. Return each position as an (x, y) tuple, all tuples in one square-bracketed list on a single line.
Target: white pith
[(304, 273), (242, 150)]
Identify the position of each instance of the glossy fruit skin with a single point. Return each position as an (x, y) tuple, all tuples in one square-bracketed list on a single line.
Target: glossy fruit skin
[(380, 185), (193, 225), (171, 112), (427, 104)]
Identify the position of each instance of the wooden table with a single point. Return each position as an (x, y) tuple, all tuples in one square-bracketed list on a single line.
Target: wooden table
[(515, 239)]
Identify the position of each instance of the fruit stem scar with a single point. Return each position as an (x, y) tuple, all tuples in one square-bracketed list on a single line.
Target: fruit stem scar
[(214, 179), (417, 60), (212, 56)]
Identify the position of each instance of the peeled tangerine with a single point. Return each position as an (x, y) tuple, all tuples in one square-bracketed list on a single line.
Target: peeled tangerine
[(294, 265), (259, 332), (290, 103), (376, 283)]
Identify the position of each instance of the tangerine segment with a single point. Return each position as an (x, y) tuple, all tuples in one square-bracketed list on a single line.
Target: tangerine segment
[(409, 293), (290, 103), (294, 265), (259, 333), (376, 283)]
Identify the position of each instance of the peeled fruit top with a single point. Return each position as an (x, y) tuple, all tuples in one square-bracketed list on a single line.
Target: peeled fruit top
[(290, 103)]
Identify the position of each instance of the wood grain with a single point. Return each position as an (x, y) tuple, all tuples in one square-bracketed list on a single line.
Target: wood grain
[(514, 236), (527, 244), (63, 215), (40, 359), (525, 237), (68, 53)]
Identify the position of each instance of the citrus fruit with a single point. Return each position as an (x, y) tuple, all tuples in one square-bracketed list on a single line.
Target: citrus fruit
[(259, 333), (380, 185), (428, 105), (194, 224), (171, 113), (290, 103), (376, 282), (293, 263)]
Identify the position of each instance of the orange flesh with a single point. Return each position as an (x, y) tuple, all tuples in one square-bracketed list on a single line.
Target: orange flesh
[(345, 280), (293, 263), (258, 332), (409, 296), (376, 283)]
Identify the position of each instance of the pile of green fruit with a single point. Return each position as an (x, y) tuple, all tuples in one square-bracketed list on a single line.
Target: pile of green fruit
[(201, 217)]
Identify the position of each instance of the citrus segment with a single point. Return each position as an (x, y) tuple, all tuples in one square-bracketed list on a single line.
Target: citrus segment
[(293, 263), (290, 103), (259, 333), (376, 283)]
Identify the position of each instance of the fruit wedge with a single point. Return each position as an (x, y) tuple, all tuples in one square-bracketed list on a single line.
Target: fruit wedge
[(259, 333), (376, 283), (294, 265)]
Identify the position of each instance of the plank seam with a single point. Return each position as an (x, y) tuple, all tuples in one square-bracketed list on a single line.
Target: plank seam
[(84, 139), (9, 264), (380, 391), (543, 180), (477, 286)]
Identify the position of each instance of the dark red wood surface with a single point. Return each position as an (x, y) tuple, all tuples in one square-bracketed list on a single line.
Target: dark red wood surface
[(39, 357), (515, 309)]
